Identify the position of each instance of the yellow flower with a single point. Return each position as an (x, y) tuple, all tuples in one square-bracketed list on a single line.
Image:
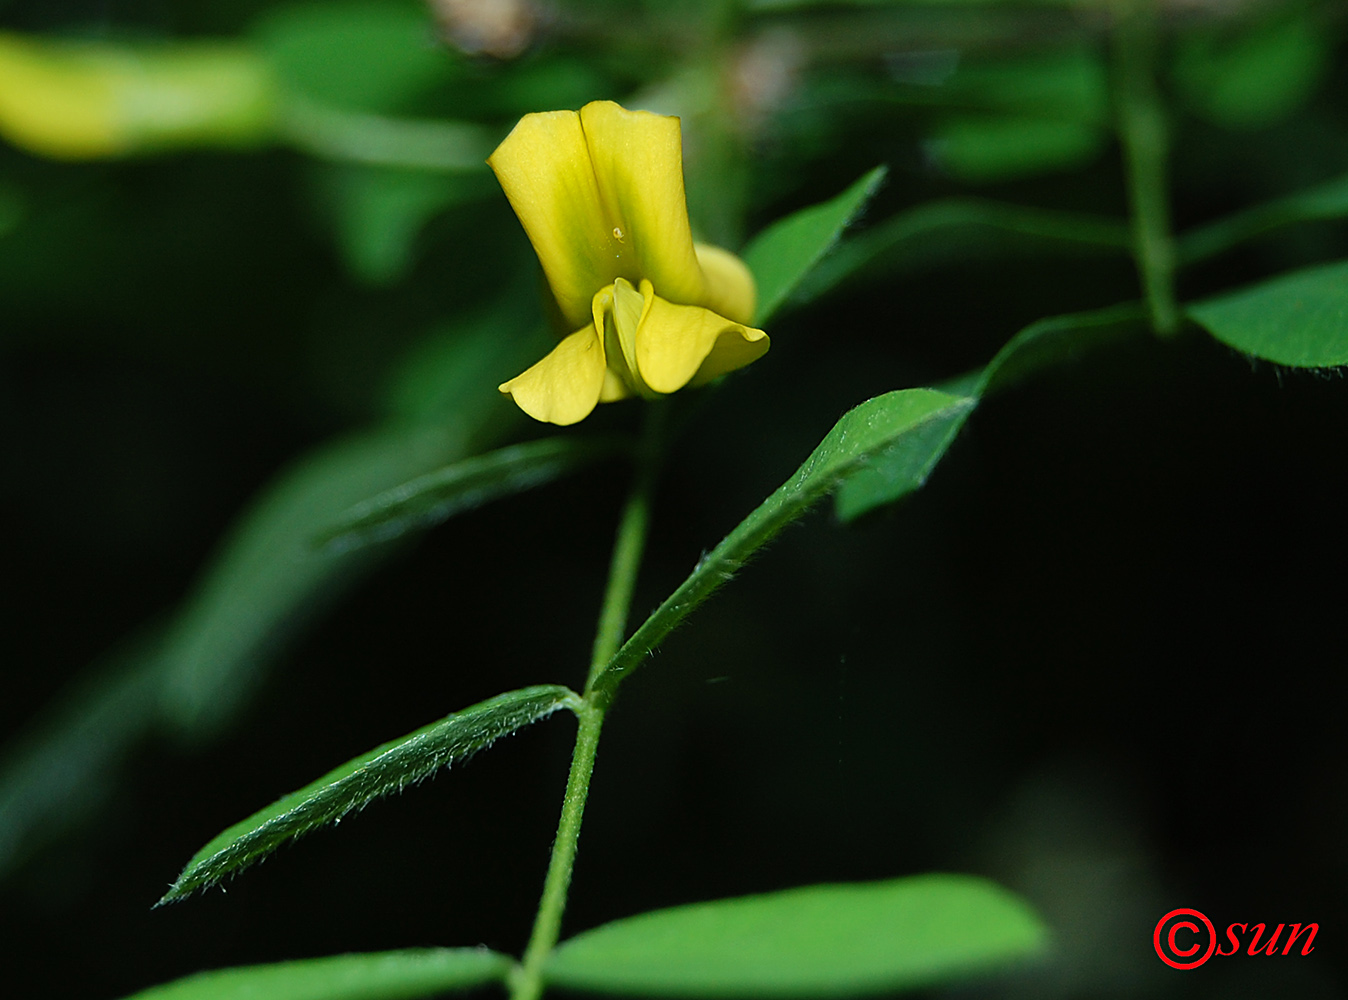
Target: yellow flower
[(600, 195)]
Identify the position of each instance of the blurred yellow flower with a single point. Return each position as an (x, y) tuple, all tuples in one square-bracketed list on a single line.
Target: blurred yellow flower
[(90, 100), (600, 195)]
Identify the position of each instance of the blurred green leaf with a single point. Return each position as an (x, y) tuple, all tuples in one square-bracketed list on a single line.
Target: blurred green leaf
[(387, 975), (430, 499), (459, 364), (1016, 117), (63, 767), (1250, 76), (378, 212), (824, 940), (783, 5), (190, 673), (268, 571), (11, 206), (1322, 202), (1298, 319), (783, 254), (1067, 84), (863, 432), (362, 55), (986, 148), (388, 768)]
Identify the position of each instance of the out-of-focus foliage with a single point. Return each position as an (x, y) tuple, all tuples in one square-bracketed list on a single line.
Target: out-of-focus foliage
[(257, 287)]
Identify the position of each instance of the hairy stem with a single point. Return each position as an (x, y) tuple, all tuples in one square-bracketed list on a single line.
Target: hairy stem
[(527, 981), (1143, 132)]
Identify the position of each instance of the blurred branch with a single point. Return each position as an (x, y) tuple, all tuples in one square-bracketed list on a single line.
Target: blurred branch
[(354, 137), (1144, 133), (954, 213), (1323, 202)]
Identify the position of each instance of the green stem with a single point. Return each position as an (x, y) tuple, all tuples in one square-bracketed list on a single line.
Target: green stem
[(1143, 132), (629, 545), (527, 981)]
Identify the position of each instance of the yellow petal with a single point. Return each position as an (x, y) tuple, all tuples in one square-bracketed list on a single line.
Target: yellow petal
[(80, 101), (614, 388), (730, 288), (638, 166), (564, 387), (626, 309), (545, 170), (54, 104), (679, 344)]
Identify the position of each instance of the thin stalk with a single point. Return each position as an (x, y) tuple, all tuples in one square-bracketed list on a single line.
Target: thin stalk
[(629, 544), (526, 982), (1144, 134)]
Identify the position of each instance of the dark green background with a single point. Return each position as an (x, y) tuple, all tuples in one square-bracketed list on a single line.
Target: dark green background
[(1099, 658)]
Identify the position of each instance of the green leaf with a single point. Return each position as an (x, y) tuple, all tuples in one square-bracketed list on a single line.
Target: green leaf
[(988, 148), (378, 212), (784, 253), (1067, 84), (898, 470), (388, 768), (904, 467), (1298, 319), (12, 207), (62, 768), (457, 365), (388, 975), (870, 429), (429, 499), (364, 55), (1257, 75), (268, 571), (823, 940)]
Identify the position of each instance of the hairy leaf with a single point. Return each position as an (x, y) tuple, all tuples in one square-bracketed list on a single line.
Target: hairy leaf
[(386, 975), (905, 466), (383, 770), (822, 940), (429, 499), (1298, 319), (862, 433)]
